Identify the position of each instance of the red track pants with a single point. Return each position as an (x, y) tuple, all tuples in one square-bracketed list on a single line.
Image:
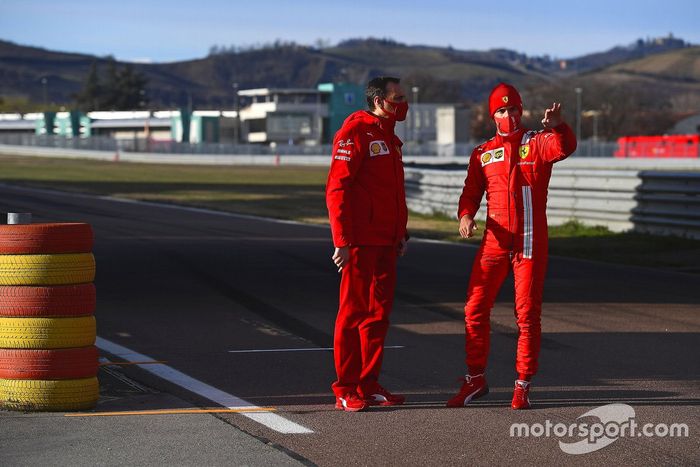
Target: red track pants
[(487, 276), (366, 296)]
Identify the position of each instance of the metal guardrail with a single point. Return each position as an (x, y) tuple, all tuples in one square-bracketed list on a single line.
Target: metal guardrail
[(666, 203), (656, 196)]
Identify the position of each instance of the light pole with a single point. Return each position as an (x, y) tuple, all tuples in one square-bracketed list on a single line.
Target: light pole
[(578, 112), (414, 130), (45, 85), (236, 128), (595, 114)]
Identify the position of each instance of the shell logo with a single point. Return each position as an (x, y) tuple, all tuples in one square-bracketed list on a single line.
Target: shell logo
[(485, 157), (375, 148)]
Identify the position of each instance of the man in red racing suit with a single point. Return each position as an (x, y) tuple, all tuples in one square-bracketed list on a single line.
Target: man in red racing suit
[(367, 211), (513, 168)]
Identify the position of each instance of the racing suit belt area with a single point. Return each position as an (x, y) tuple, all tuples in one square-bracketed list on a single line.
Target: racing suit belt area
[(514, 172)]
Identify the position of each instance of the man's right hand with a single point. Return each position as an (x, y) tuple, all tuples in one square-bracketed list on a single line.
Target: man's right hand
[(341, 257), (467, 226)]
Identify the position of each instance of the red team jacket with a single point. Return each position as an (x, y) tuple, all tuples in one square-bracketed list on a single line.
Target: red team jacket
[(514, 171), (365, 192)]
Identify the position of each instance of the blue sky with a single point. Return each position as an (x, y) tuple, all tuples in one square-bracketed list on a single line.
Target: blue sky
[(178, 30)]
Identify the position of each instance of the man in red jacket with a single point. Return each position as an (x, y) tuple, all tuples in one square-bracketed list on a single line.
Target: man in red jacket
[(513, 168), (367, 210)]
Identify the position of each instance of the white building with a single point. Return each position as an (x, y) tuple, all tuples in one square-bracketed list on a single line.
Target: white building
[(437, 127), (283, 116)]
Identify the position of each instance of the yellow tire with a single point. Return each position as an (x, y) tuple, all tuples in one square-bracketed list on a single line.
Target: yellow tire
[(74, 268), (46, 395), (47, 333)]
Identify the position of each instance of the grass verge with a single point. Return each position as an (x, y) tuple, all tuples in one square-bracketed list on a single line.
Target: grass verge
[(297, 193)]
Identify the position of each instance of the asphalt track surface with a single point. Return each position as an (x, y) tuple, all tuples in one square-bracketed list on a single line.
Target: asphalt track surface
[(187, 287)]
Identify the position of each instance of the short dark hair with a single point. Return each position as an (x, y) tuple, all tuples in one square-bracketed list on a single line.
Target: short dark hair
[(377, 88)]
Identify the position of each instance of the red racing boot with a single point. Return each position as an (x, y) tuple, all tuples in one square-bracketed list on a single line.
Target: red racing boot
[(381, 396), (521, 395), (473, 387), (350, 402)]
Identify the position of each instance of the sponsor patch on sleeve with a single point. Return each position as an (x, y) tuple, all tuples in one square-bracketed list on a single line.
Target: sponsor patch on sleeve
[(342, 158)]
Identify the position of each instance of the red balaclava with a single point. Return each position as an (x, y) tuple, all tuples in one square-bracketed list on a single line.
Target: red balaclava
[(505, 95), (400, 110)]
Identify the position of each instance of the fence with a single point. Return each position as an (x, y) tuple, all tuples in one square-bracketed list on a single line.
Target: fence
[(588, 148)]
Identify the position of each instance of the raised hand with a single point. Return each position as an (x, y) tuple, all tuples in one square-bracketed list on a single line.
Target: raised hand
[(552, 116)]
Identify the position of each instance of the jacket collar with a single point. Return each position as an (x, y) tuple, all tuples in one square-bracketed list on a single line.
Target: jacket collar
[(385, 125), (516, 136)]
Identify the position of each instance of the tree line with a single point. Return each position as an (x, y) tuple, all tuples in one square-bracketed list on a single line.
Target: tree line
[(118, 89)]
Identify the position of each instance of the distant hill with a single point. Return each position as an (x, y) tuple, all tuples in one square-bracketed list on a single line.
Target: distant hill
[(642, 96), (681, 66), (639, 49), (443, 74)]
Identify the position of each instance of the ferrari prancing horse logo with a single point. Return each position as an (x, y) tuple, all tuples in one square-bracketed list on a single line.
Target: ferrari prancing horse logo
[(524, 151)]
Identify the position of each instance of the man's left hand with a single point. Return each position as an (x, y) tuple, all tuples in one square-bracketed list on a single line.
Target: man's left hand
[(341, 257), (552, 116), (403, 247)]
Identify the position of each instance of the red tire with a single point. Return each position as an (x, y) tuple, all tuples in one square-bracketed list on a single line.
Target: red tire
[(61, 301), (32, 239), (74, 363)]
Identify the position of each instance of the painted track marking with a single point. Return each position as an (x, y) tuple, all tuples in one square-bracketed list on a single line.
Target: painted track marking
[(229, 401), (170, 412), (308, 349)]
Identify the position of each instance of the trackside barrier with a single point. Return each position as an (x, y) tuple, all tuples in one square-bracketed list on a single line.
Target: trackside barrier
[(666, 203), (48, 358), (619, 193)]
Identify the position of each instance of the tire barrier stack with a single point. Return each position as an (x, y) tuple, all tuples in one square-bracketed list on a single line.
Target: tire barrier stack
[(48, 358)]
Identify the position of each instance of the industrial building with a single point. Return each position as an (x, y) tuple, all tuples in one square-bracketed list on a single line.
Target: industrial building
[(268, 116)]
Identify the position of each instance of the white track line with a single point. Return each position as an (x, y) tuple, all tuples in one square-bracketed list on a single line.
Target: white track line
[(270, 420), (309, 349)]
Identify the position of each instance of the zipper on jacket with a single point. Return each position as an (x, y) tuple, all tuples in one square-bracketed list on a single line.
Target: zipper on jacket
[(396, 188), (510, 194)]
